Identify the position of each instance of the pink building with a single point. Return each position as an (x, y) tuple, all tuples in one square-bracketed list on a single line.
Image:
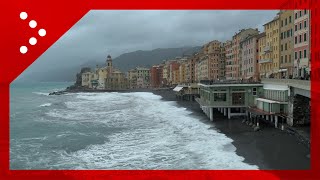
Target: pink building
[(301, 43), (249, 56)]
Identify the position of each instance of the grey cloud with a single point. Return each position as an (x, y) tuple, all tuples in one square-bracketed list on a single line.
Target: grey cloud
[(115, 32)]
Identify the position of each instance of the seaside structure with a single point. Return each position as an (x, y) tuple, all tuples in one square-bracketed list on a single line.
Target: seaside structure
[(104, 78), (301, 44), (79, 76), (286, 43), (230, 97)]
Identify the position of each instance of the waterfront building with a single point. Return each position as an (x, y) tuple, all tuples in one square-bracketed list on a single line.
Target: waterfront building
[(156, 76), (182, 73), (301, 43), (188, 71), (249, 65), (143, 73), (272, 48), (234, 67), (214, 51), (202, 69), (86, 79), (286, 43), (132, 78), (116, 81), (230, 97), (173, 66), (272, 104), (79, 76)]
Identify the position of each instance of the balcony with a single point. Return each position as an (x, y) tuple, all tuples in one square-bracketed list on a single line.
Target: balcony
[(267, 49), (261, 61)]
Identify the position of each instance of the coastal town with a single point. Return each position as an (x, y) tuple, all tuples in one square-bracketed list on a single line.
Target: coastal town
[(262, 76)]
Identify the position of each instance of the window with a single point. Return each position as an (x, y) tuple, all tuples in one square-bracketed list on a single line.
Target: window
[(300, 54), (305, 11), (300, 13), (305, 53), (305, 24), (295, 40), (300, 25), (254, 91), (285, 58), (295, 27), (281, 36), (286, 22), (289, 58), (296, 16), (289, 19), (281, 47), (305, 36), (295, 55), (300, 38), (285, 47)]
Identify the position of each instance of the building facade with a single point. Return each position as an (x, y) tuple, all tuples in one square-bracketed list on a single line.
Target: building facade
[(301, 43), (271, 50), (249, 65), (286, 43)]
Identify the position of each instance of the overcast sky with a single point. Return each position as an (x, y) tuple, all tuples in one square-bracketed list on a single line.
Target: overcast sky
[(100, 33)]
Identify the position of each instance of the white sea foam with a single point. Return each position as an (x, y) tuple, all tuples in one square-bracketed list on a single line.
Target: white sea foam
[(45, 105), (159, 135), (41, 93)]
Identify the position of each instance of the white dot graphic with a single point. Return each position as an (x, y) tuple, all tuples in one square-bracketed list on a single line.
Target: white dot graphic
[(33, 41), (42, 32), (33, 24), (23, 15), (23, 49)]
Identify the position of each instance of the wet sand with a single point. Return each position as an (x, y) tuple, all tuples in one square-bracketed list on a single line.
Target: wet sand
[(269, 148)]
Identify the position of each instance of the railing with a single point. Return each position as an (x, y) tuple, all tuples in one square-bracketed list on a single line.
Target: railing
[(302, 84)]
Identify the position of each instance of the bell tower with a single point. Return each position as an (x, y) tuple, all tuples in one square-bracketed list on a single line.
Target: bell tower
[(109, 62)]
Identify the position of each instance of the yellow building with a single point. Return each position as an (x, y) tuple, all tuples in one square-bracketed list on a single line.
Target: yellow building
[(132, 78), (286, 43), (182, 73), (116, 81), (271, 61)]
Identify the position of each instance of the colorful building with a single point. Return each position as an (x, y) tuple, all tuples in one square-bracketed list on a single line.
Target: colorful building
[(286, 43), (271, 60), (301, 43), (249, 65)]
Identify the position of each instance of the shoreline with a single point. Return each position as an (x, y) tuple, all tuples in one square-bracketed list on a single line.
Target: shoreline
[(269, 148)]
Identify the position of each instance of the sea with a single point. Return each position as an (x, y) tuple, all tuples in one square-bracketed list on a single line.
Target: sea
[(111, 130)]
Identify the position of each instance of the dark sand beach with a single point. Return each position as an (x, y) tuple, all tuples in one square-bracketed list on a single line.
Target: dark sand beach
[(269, 148)]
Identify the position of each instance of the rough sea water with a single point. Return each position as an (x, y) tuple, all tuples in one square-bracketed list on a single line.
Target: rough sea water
[(111, 131)]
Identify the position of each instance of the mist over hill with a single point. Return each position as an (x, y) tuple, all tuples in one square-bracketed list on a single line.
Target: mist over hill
[(124, 62)]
